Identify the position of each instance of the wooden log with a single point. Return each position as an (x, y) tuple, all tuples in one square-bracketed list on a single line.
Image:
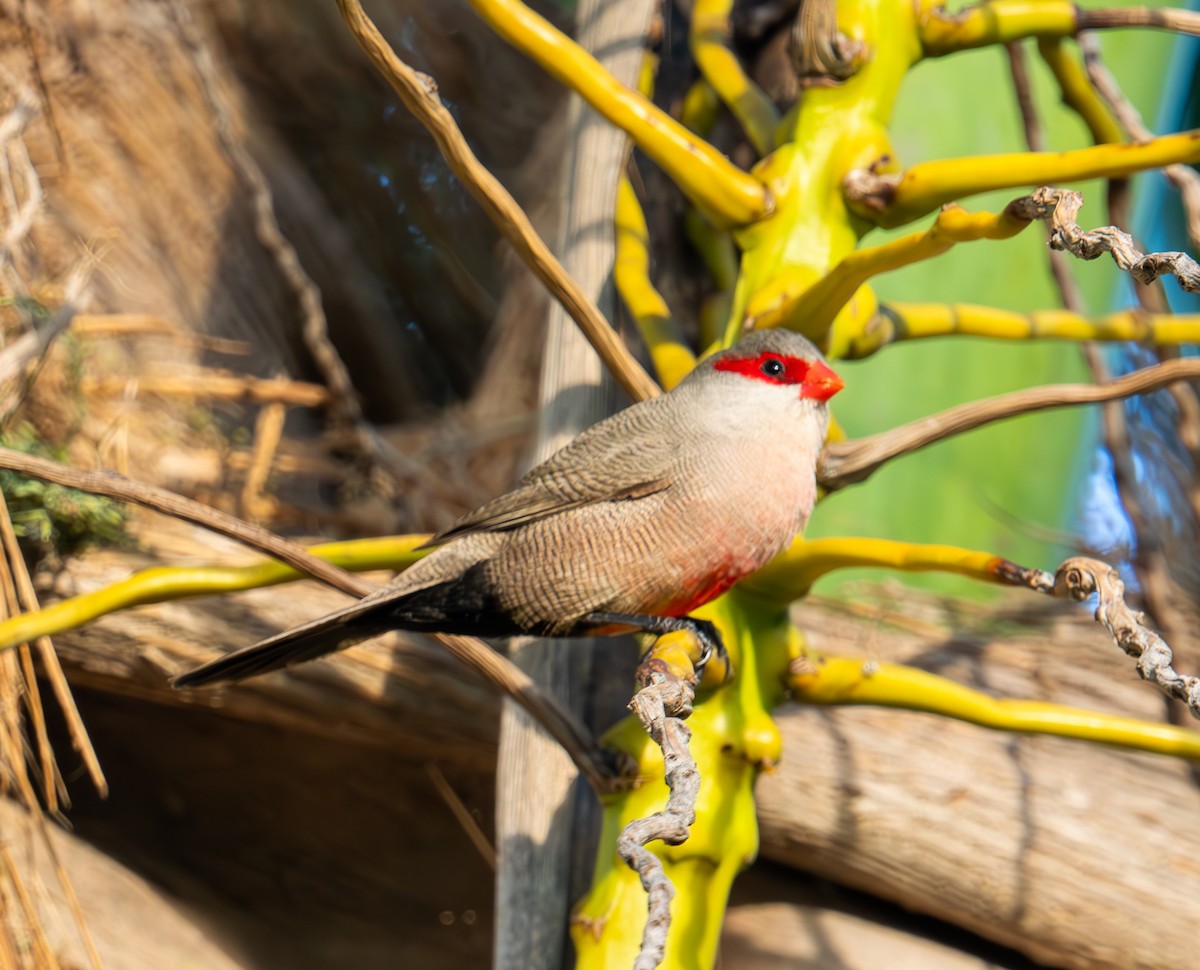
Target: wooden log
[(1075, 854), (778, 918)]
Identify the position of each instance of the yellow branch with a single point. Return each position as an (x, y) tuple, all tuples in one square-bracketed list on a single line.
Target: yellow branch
[(178, 582), (733, 737), (727, 195), (1078, 92), (847, 680), (1005, 21), (896, 200), (709, 39), (668, 347), (700, 108), (995, 22), (916, 321), (791, 574), (813, 310)]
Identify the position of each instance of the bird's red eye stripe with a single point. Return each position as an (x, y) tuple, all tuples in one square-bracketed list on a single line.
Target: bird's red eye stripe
[(773, 368), (816, 380)]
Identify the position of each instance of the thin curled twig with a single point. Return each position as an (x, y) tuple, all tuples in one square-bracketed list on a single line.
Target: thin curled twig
[(1035, 141), (847, 462), (661, 705), (1059, 208), (1148, 561), (593, 761), (1078, 578)]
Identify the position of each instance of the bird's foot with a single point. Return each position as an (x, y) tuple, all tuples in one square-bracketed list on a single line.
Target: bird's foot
[(712, 647)]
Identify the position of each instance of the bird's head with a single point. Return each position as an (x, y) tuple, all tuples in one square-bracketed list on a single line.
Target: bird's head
[(781, 358)]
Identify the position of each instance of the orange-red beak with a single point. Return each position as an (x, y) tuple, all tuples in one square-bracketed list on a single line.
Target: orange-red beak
[(820, 383)]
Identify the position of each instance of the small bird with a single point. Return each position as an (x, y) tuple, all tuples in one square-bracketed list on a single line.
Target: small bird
[(639, 520)]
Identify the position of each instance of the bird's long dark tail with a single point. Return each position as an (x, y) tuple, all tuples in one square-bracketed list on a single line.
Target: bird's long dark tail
[(316, 639), (465, 604)]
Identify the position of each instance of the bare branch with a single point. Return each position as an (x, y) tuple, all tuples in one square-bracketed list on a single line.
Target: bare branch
[(1059, 208), (664, 700), (1035, 137), (1078, 578), (1164, 18), (314, 327), (848, 462), (210, 384), (123, 489)]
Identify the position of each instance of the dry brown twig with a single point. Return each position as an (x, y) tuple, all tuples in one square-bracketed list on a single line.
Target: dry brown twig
[(594, 762), (52, 669), (138, 324), (268, 430), (1078, 578), (314, 325), (1164, 18), (1035, 141), (112, 485), (419, 93), (847, 462), (462, 815), (1059, 208), (663, 702), (21, 684), (211, 384), (37, 942)]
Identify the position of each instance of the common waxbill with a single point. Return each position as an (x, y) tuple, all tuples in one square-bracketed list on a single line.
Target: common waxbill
[(636, 522)]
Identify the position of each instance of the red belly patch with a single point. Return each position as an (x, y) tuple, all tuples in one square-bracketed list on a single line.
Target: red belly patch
[(693, 599)]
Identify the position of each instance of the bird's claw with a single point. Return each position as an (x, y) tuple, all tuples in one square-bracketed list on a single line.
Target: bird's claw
[(712, 651)]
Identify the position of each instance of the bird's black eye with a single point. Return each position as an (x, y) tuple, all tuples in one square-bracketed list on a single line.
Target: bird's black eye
[(772, 367)]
